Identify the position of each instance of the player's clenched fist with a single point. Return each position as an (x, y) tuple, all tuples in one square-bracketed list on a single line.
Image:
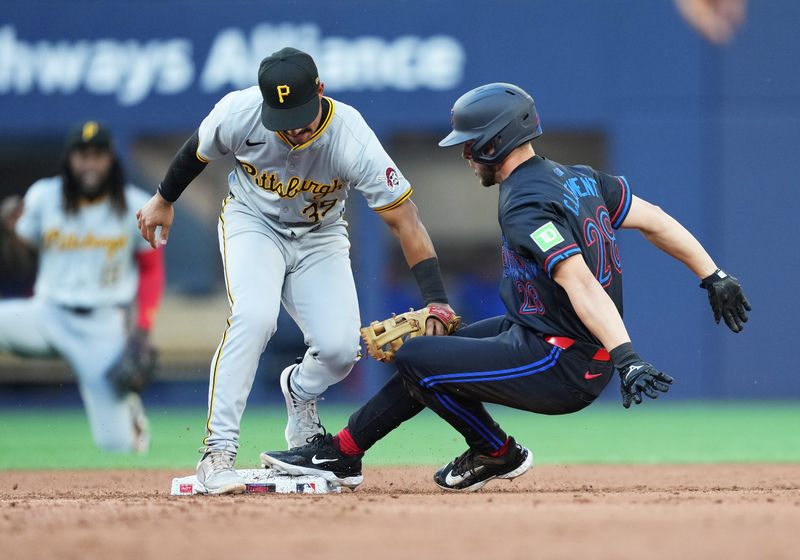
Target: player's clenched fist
[(727, 299), (158, 212)]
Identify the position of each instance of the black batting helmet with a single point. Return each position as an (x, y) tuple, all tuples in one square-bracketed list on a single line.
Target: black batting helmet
[(500, 116)]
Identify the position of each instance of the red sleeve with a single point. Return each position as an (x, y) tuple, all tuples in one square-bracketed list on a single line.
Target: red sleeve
[(151, 286)]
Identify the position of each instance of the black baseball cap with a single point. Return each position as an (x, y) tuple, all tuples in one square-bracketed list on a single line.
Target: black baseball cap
[(289, 83), (89, 133)]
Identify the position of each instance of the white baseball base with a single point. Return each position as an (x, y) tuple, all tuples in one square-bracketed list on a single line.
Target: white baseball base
[(263, 481)]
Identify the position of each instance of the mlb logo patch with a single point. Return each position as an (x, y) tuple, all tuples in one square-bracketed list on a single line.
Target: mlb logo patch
[(547, 237)]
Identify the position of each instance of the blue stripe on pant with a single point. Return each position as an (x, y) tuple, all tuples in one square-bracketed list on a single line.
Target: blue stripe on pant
[(497, 375), (470, 419)]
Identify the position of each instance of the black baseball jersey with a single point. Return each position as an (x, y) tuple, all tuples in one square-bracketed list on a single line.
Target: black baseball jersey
[(549, 212)]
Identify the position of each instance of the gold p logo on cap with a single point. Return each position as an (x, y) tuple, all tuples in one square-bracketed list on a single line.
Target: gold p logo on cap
[(89, 130), (283, 91)]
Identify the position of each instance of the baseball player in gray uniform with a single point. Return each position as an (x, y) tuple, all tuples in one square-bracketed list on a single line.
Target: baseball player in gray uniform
[(92, 266), (283, 239)]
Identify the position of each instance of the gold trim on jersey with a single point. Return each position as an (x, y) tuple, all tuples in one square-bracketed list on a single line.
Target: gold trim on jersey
[(396, 203), (323, 125), (201, 158), (218, 355)]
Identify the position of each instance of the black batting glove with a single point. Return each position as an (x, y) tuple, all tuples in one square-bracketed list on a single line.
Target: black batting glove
[(727, 299), (637, 377)]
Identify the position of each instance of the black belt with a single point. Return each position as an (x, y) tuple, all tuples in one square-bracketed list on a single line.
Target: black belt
[(302, 225), (77, 310)]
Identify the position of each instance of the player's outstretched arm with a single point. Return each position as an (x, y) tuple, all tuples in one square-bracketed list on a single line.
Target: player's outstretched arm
[(405, 225), (597, 311), (666, 233), (725, 294)]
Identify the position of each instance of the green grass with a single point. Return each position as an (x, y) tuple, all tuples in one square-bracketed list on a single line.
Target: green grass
[(655, 433)]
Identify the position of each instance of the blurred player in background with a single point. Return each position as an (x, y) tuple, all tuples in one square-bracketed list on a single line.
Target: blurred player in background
[(716, 20), (555, 349), (92, 267)]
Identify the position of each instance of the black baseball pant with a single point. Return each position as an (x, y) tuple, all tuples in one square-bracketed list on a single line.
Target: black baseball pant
[(491, 361)]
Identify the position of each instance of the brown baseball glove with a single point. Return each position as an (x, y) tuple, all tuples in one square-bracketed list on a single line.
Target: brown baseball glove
[(384, 338)]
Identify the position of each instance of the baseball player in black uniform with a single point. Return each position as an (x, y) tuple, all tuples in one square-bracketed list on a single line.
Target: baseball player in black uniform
[(557, 346)]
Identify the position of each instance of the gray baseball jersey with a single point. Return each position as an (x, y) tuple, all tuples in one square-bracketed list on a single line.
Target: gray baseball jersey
[(85, 259), (288, 185), (282, 237)]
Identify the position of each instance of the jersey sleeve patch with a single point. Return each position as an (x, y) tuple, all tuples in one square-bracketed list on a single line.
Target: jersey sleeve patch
[(547, 237)]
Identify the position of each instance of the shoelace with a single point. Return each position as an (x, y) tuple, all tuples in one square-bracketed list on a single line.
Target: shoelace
[(220, 460), (464, 463), (317, 438), (306, 412)]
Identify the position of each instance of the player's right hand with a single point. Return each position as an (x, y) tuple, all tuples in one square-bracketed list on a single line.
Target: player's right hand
[(727, 299), (640, 378), (157, 212)]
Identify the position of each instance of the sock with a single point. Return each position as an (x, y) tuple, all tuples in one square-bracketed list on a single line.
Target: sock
[(345, 443), (500, 452)]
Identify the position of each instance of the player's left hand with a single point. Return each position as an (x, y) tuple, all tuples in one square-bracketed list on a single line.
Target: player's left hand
[(435, 326), (727, 299)]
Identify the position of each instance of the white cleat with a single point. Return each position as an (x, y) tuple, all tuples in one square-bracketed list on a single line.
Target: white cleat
[(303, 419), (215, 473)]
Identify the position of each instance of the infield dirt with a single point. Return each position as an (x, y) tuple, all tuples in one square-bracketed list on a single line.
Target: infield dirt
[(688, 511)]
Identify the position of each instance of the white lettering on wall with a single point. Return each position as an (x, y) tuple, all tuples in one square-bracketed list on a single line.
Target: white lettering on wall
[(132, 70), (403, 63)]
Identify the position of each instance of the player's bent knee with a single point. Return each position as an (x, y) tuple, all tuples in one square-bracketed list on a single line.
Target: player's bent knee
[(340, 364), (338, 356), (411, 353)]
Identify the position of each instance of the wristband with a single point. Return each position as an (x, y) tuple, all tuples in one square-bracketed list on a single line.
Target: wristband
[(624, 355), (429, 280), (718, 274)]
